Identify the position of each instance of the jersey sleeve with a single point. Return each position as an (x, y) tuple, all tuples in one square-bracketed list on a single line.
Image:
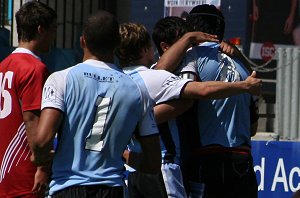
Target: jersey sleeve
[(188, 64), (164, 86), (53, 91), (31, 87)]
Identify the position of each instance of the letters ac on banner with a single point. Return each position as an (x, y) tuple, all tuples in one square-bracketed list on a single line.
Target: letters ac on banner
[(277, 168)]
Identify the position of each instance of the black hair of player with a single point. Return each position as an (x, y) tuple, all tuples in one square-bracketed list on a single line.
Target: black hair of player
[(207, 18)]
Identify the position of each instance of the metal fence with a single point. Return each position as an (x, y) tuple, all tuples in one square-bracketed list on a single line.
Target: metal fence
[(287, 108), (70, 17)]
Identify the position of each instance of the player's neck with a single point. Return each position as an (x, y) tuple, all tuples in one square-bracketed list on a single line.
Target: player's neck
[(108, 58), (31, 45)]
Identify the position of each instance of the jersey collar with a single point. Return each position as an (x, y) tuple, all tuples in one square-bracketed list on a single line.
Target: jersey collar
[(138, 67), (97, 63), (25, 51)]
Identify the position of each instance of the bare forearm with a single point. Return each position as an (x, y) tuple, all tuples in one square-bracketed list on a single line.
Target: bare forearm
[(215, 89), (31, 120), (219, 90), (43, 141), (170, 110), (172, 57), (293, 8)]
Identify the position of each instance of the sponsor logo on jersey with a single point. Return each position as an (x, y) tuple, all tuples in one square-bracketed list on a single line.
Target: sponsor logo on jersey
[(49, 93), (98, 77), (171, 81)]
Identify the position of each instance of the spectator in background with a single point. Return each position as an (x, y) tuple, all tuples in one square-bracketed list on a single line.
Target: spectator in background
[(22, 76), (269, 26), (95, 108), (296, 31), (296, 35)]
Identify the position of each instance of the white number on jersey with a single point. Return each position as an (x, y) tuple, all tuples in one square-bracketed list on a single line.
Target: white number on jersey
[(95, 141), (5, 97)]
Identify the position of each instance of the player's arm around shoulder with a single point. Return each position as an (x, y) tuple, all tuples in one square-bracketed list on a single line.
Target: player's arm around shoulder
[(171, 109), (172, 57), (219, 89)]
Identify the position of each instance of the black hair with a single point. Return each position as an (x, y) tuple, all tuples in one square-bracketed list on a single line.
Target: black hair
[(31, 15), (206, 18), (168, 30), (101, 33)]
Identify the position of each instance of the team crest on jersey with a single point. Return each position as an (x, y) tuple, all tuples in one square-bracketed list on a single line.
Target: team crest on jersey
[(172, 80), (49, 93)]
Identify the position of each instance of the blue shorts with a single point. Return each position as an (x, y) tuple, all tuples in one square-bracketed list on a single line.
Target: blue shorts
[(173, 180)]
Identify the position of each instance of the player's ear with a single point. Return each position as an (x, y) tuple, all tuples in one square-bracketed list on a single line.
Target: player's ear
[(40, 29), (164, 46), (82, 42)]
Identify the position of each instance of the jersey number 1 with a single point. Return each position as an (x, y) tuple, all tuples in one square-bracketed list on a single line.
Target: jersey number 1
[(95, 141)]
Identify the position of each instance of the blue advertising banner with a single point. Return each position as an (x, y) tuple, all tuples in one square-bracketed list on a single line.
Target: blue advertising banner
[(277, 167)]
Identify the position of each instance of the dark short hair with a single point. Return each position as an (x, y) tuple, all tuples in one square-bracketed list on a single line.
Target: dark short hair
[(206, 18), (101, 33), (168, 30), (134, 39), (31, 15)]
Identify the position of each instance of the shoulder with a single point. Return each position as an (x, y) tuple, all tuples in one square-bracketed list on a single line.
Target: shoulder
[(60, 75), (29, 62), (159, 76)]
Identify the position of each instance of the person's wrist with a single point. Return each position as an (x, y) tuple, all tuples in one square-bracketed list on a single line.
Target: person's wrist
[(244, 86)]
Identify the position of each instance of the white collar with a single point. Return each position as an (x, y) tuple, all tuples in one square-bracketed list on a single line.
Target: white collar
[(138, 67), (97, 63), (25, 51)]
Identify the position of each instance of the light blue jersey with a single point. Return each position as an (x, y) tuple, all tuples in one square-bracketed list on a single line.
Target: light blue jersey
[(162, 86), (225, 122), (102, 107)]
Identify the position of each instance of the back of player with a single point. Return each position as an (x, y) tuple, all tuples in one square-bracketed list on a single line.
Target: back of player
[(22, 75), (95, 108), (223, 160), (86, 147), (17, 71), (226, 121), (225, 129)]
